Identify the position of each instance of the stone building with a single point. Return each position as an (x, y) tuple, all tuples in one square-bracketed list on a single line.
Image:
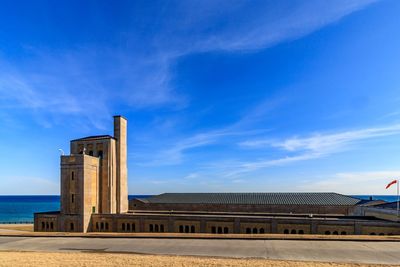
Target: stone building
[(94, 198)]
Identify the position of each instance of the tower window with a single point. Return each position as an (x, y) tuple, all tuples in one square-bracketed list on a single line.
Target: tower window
[(72, 198), (72, 176)]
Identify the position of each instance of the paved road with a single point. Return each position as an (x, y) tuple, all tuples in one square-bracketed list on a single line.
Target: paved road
[(335, 251)]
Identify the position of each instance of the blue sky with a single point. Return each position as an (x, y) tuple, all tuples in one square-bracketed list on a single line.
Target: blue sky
[(221, 96)]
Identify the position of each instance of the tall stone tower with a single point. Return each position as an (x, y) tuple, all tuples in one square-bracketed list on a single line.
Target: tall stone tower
[(94, 179), (120, 134)]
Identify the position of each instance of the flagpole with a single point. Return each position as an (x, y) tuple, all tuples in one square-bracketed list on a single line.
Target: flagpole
[(398, 199)]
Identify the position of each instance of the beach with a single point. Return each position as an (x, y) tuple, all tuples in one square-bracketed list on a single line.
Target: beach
[(118, 259)]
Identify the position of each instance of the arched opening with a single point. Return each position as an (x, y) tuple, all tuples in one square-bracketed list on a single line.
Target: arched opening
[(262, 231), (226, 230), (72, 175), (327, 232), (47, 225), (156, 228), (162, 228), (186, 228), (133, 227), (248, 231), (343, 233), (128, 227), (97, 225), (219, 230), (106, 225), (213, 230), (51, 225), (372, 233), (180, 228), (192, 229), (71, 226), (293, 232), (43, 225), (286, 231), (123, 226), (151, 228), (255, 231), (102, 226), (335, 232), (381, 234), (301, 232)]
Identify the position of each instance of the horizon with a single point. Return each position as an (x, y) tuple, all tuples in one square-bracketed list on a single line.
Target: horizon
[(225, 96)]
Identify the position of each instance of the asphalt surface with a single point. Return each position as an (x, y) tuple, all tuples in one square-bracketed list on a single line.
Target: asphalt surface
[(327, 251)]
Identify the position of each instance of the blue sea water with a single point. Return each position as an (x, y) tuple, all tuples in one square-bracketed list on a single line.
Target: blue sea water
[(20, 209)]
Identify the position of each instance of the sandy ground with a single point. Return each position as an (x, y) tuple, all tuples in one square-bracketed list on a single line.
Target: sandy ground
[(116, 259), (18, 227)]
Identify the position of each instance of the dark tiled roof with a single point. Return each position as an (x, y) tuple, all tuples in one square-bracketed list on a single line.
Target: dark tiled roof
[(93, 137), (254, 198)]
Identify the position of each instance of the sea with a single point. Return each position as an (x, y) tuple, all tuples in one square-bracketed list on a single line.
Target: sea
[(20, 209)]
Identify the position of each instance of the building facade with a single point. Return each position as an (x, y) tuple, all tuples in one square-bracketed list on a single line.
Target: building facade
[(94, 198)]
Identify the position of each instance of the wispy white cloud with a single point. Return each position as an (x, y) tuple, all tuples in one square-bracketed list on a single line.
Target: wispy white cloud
[(356, 183), (87, 80), (307, 148)]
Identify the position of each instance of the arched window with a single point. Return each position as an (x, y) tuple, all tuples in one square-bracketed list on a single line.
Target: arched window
[(151, 228), (262, 231), (248, 231), (213, 230), (301, 232), (255, 231), (123, 226), (128, 227), (186, 228), (97, 225), (71, 226), (43, 225), (226, 230), (156, 228), (102, 226), (219, 230), (293, 232), (335, 233), (327, 232), (180, 228), (51, 225), (106, 225), (192, 229), (162, 228), (286, 231), (343, 233)]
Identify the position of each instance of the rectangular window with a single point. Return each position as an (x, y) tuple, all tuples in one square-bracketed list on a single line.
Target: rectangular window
[(72, 198), (72, 175), (93, 209)]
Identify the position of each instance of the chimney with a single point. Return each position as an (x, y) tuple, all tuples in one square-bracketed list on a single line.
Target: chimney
[(120, 134)]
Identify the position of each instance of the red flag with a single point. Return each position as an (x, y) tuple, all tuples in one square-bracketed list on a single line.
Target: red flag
[(391, 183)]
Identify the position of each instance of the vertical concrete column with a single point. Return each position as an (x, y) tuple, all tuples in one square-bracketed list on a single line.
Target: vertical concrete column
[(274, 226), (202, 226), (120, 133), (236, 226)]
